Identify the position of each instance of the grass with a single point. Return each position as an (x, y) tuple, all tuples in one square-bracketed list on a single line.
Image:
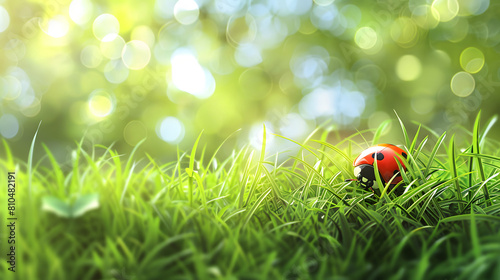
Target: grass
[(112, 216)]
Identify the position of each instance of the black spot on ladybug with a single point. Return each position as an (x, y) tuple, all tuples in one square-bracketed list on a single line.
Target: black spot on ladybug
[(380, 156), (404, 155)]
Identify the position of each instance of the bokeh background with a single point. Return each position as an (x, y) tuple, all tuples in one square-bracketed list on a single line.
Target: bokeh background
[(109, 71)]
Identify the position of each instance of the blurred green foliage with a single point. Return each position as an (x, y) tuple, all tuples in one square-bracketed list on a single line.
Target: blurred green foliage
[(120, 71)]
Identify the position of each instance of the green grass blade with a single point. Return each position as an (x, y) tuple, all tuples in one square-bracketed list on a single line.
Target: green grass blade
[(190, 169), (345, 156), (475, 143), (259, 165), (492, 121), (414, 142), (453, 167), (433, 154), (30, 161), (380, 130), (405, 133), (8, 154), (215, 153), (256, 205)]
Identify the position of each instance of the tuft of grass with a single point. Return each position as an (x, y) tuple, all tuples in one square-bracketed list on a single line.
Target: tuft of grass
[(251, 216)]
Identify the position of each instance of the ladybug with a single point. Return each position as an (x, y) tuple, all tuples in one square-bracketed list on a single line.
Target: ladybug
[(386, 155)]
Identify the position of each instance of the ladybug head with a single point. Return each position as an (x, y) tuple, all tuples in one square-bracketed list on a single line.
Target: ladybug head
[(365, 173)]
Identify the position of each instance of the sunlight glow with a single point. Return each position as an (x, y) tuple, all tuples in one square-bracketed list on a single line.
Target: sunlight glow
[(104, 25), (80, 11), (189, 76), (366, 37), (463, 84), (472, 60), (186, 11), (112, 46), (101, 103), (408, 68), (136, 55), (445, 10), (170, 130), (4, 19), (91, 56), (57, 27)]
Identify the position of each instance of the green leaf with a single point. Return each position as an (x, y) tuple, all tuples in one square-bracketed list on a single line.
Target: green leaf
[(55, 205), (84, 204), (61, 208)]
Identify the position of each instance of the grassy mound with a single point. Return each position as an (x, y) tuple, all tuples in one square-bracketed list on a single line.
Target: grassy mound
[(110, 216)]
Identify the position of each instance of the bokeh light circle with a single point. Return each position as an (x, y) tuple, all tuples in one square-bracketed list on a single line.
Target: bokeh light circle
[(323, 2), (170, 130), (55, 27), (143, 33), (186, 11), (241, 30), (404, 32), (33, 109), (136, 55), (462, 84), (377, 118), (116, 72), (80, 11), (248, 55), (91, 56), (101, 103), (14, 87), (445, 10), (189, 76), (425, 16), (134, 132), (473, 7), (408, 68), (105, 25), (9, 126), (293, 126), (112, 46), (423, 104), (4, 19), (472, 60), (366, 37)]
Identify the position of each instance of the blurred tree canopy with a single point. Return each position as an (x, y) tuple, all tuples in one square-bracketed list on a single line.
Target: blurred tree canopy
[(116, 72)]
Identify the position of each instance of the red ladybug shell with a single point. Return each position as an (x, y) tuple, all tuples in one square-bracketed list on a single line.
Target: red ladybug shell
[(387, 165)]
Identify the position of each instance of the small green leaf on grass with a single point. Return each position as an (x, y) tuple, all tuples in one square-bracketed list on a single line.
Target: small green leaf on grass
[(56, 206), (84, 204), (66, 209)]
